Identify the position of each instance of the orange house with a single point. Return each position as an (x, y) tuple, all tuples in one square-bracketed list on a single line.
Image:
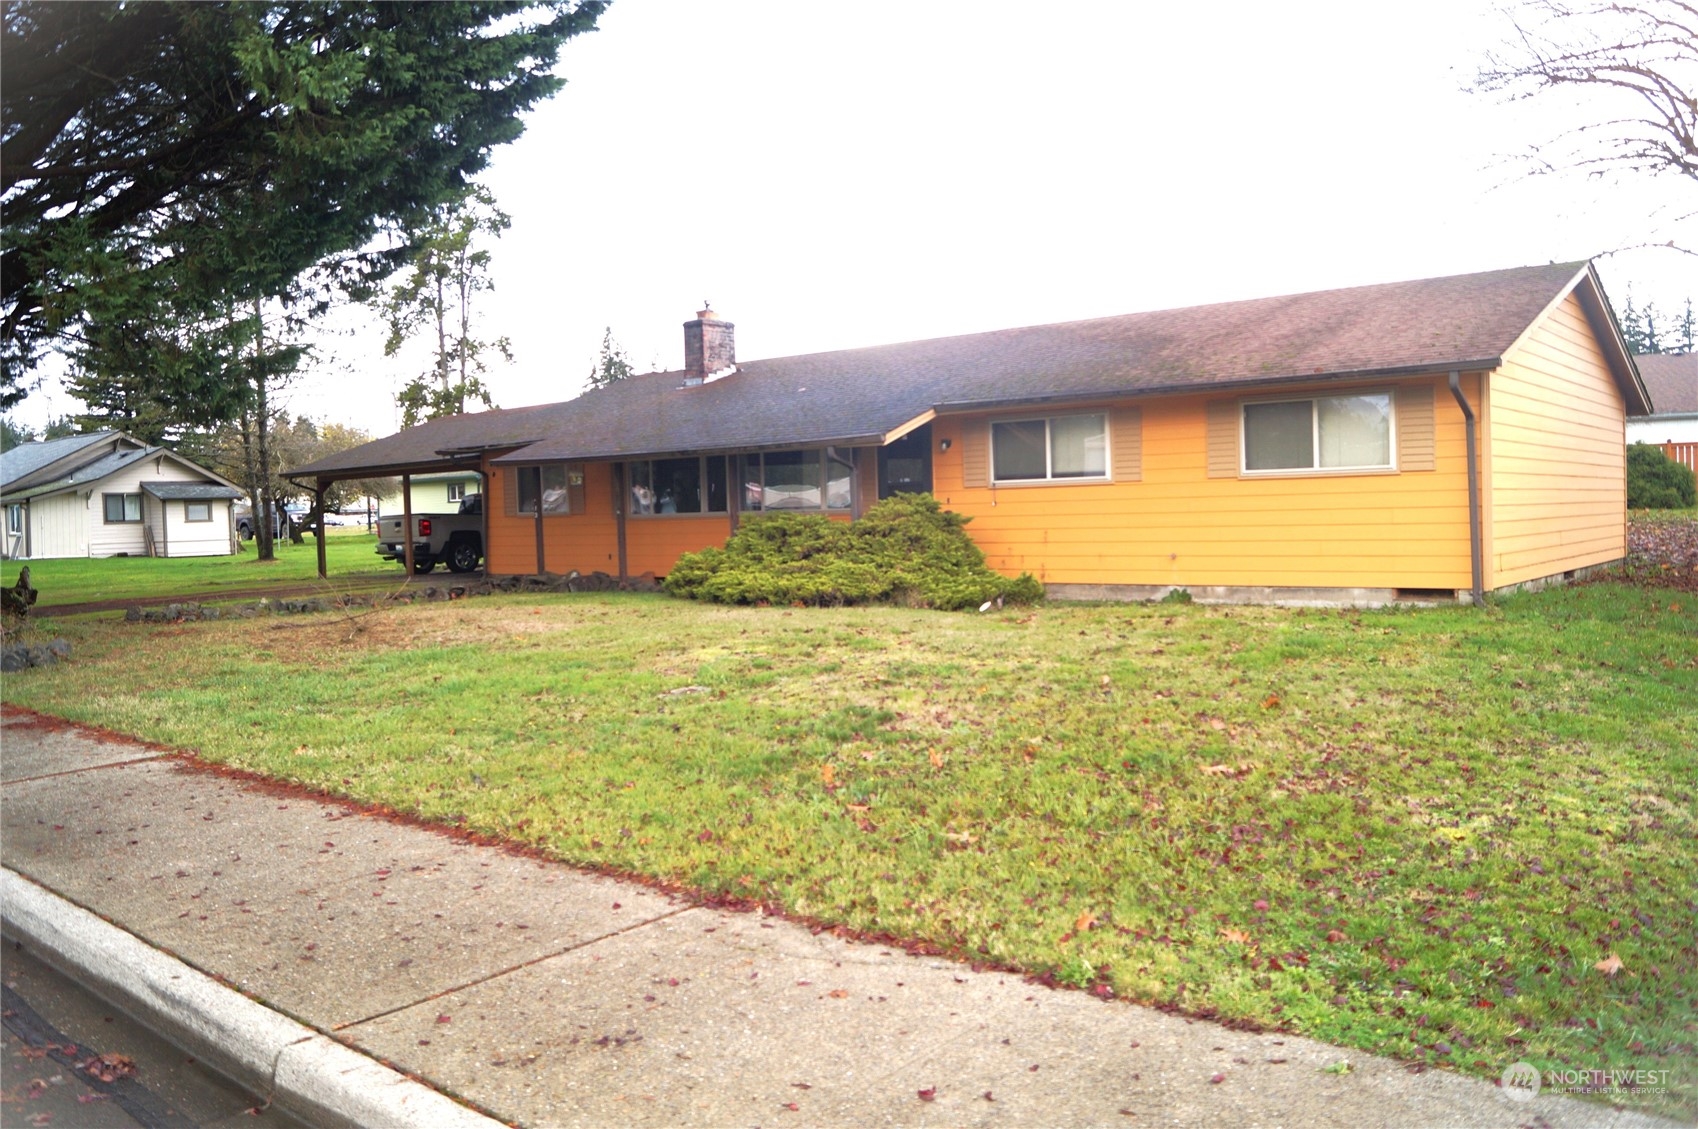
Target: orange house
[(1435, 439)]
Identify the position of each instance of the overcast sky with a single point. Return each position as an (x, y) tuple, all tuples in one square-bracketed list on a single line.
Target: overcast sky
[(831, 176)]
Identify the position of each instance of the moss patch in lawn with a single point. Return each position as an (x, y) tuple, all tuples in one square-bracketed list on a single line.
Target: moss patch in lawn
[(1412, 832)]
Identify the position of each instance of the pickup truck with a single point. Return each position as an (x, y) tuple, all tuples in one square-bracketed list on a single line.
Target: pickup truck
[(455, 539)]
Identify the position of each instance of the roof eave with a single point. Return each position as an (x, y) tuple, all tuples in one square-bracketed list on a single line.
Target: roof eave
[(1481, 364), (864, 439)]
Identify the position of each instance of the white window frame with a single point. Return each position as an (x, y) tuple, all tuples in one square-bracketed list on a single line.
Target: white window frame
[(456, 492), (1050, 477), (189, 512), (1314, 468)]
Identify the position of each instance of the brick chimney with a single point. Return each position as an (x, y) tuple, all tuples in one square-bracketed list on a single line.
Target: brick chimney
[(709, 348)]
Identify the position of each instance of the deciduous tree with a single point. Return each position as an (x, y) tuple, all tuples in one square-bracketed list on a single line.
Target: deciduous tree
[(1636, 65)]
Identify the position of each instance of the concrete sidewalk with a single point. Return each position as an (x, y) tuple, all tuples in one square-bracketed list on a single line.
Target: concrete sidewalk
[(549, 997)]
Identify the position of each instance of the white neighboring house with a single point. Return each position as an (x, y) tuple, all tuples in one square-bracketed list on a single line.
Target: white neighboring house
[(432, 493), (1672, 381), (108, 494)]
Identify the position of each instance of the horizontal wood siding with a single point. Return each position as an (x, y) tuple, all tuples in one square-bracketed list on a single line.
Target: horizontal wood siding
[(1415, 428), (1188, 523), (128, 537), (185, 538), (1126, 443), (1557, 450)]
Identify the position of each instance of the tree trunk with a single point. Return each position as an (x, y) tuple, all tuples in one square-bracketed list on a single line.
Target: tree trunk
[(263, 524)]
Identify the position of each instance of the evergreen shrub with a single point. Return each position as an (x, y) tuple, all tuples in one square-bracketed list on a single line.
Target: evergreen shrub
[(906, 550), (1657, 482)]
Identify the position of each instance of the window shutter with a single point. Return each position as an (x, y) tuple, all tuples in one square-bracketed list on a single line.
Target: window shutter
[(510, 491), (575, 488), (1223, 438), (1126, 434), (1415, 449), (975, 453)]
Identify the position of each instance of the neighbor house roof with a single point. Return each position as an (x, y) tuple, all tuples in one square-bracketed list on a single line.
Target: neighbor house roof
[(27, 459), (60, 469), (1672, 380), (190, 491), (870, 395)]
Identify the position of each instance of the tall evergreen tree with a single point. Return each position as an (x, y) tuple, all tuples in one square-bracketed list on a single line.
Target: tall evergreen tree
[(146, 147), (612, 365)]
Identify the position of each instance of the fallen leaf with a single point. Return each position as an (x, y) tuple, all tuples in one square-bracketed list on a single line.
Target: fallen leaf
[(1217, 1079), (838, 994), (1084, 921), (1334, 935), (936, 758), (791, 1106), (928, 1095), (988, 1097), (445, 1019), (828, 774), (1270, 702), (1610, 965), (1236, 936), (1216, 723)]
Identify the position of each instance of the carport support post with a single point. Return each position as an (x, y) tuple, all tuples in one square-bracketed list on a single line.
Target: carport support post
[(318, 505), (407, 523)]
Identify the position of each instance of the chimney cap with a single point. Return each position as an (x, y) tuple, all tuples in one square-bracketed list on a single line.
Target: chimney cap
[(706, 312)]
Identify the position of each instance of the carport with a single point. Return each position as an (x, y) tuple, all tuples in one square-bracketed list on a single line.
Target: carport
[(454, 443)]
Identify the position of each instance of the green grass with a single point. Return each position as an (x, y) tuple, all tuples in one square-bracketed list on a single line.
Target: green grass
[(1414, 833), (349, 554)]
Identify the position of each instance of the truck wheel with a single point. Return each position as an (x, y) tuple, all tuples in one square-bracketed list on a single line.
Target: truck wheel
[(422, 565), (462, 556)]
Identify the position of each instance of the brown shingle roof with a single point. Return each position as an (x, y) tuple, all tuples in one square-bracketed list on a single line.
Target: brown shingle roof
[(860, 395), (1672, 381)]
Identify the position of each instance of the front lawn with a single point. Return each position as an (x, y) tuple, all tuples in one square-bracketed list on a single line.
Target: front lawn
[(349, 554), (1427, 834)]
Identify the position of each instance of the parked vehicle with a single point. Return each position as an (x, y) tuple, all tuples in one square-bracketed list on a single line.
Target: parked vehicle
[(454, 539), (247, 524)]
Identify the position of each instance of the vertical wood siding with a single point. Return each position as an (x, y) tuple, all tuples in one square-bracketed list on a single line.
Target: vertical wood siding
[(59, 525), (1557, 453)]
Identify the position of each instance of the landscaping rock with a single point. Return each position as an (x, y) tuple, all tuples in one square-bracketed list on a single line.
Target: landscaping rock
[(22, 656)]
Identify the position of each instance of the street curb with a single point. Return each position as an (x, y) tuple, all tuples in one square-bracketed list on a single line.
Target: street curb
[(312, 1077)]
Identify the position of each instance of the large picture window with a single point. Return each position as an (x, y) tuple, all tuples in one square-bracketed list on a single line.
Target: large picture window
[(1323, 433), (549, 483), (798, 480), (121, 508), (1037, 450), (678, 486)]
